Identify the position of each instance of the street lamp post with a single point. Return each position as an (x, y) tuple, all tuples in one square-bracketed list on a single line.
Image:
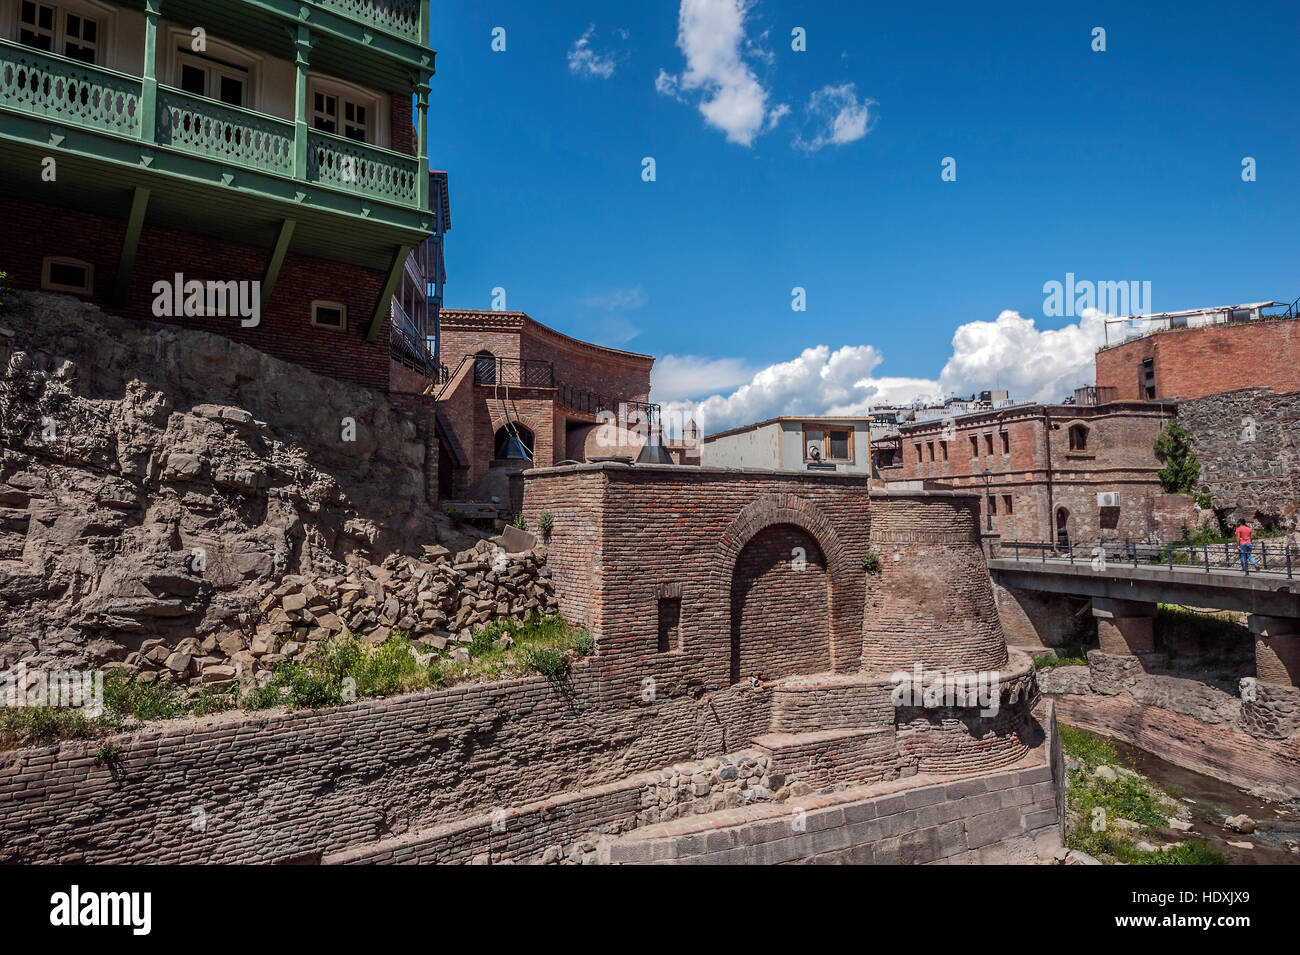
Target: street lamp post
[(988, 499)]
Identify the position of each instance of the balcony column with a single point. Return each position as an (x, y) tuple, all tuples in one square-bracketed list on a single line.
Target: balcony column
[(422, 138), (149, 91), (302, 44)]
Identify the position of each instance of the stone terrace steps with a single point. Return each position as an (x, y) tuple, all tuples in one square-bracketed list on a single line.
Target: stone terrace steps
[(1006, 816)]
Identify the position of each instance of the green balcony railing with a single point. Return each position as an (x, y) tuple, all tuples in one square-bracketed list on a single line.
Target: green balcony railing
[(61, 90), (356, 167), (224, 133), (401, 17), (66, 91)]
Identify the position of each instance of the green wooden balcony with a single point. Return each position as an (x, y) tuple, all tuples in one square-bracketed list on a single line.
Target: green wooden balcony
[(73, 94), (399, 17)]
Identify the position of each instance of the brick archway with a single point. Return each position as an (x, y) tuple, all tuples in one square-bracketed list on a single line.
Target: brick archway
[(845, 589), (780, 606)]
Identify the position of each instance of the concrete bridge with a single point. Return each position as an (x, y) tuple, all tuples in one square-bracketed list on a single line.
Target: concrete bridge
[(1124, 582)]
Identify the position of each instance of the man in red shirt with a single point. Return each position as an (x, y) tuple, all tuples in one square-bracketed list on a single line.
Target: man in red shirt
[(1244, 546)]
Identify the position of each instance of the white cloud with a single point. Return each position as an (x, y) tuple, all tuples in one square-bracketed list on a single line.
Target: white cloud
[(1009, 352), (837, 117), (586, 61), (711, 35), (1012, 352), (682, 377), (618, 299)]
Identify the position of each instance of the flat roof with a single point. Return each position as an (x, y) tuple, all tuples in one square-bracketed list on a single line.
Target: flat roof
[(822, 419)]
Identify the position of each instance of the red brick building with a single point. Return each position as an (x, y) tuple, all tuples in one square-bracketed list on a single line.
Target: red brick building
[(518, 394), (1184, 360), (1054, 472)]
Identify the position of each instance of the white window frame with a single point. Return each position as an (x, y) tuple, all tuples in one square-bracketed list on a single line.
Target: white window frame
[(218, 56), (214, 71), (105, 18), (50, 285), (322, 303), (375, 104)]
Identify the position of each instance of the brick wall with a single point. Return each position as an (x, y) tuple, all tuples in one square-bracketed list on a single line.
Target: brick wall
[(780, 605), (932, 603), (285, 331), (278, 786), (623, 533), (477, 411), (402, 123), (1194, 362), (1041, 472)]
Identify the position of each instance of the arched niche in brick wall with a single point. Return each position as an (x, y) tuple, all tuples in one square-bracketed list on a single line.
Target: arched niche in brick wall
[(845, 593), (780, 606)]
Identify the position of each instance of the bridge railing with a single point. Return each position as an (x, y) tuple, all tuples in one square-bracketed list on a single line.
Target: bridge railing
[(1280, 558)]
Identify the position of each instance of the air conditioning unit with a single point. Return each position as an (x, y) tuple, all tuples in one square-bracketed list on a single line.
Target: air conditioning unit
[(1108, 499)]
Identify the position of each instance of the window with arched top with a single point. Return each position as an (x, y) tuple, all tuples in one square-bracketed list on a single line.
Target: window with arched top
[(485, 368), (1078, 437)]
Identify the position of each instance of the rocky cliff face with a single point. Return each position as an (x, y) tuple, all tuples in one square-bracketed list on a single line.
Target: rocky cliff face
[(156, 482)]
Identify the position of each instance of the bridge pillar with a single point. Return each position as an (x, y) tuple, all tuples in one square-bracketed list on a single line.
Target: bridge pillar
[(1277, 649), (1124, 626), (1036, 620)]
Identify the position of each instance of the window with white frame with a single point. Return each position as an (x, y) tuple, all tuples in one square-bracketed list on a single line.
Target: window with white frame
[(59, 274), (329, 315), (212, 78), (56, 29), (343, 110)]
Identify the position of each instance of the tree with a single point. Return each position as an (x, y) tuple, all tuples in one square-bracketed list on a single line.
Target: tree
[(1174, 448)]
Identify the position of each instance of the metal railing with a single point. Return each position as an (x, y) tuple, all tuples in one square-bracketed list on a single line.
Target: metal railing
[(593, 403), (409, 345), (1101, 553), (512, 372)]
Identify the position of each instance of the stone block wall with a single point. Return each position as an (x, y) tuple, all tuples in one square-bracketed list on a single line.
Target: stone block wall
[(1248, 444), (1000, 818)]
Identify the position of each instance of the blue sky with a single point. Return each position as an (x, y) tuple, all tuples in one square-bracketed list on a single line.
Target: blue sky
[(821, 169)]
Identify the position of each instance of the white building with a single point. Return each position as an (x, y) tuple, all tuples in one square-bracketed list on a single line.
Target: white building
[(793, 444)]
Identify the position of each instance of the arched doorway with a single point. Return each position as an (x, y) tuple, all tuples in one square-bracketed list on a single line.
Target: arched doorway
[(1062, 528), (513, 442), (780, 606)]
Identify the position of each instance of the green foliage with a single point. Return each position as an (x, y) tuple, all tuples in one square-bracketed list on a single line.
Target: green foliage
[(520, 522), (1203, 501), (545, 522), (1097, 805), (40, 725), (1091, 751), (1174, 447), (143, 701), (456, 517), (871, 564), (1071, 655), (584, 643), (293, 684), (107, 754), (544, 658)]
